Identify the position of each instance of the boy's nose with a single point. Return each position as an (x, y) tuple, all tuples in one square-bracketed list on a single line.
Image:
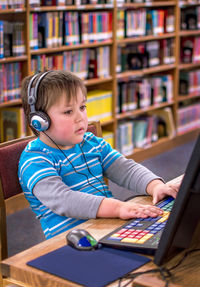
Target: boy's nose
[(79, 116)]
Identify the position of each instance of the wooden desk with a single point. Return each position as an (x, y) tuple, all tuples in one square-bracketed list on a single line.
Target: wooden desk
[(187, 274)]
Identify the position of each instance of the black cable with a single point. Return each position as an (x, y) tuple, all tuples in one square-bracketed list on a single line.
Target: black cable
[(183, 258), (78, 172), (164, 272), (102, 183)]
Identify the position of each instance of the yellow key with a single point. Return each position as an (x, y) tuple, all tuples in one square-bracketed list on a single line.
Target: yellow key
[(129, 240)]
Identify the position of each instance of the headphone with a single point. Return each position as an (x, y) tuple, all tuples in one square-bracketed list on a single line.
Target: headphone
[(40, 121)]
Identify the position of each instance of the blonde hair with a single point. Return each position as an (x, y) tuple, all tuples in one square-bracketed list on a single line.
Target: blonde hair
[(50, 90)]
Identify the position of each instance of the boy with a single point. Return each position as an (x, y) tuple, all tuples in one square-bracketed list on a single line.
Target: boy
[(61, 171)]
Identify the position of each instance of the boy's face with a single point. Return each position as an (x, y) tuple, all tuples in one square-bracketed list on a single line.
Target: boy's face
[(68, 122)]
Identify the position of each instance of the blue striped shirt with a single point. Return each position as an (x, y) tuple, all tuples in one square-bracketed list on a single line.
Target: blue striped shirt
[(80, 172)]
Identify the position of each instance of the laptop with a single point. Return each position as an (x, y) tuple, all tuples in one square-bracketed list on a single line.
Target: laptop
[(171, 232)]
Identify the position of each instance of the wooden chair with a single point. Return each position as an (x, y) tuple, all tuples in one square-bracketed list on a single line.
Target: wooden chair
[(11, 196)]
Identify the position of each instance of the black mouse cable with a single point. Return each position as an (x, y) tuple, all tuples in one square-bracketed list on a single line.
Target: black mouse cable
[(166, 273), (78, 172), (102, 183)]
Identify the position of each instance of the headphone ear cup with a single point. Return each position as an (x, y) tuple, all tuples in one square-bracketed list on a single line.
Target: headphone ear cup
[(40, 121)]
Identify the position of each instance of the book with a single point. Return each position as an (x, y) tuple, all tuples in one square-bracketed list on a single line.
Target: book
[(153, 50), (92, 66), (194, 82), (125, 131), (103, 61), (135, 22), (7, 39), (11, 75), (99, 105), (35, 36), (187, 47), (18, 39), (140, 132), (189, 19), (188, 118), (168, 51), (183, 83), (120, 33), (12, 122), (169, 20), (167, 116), (109, 137)]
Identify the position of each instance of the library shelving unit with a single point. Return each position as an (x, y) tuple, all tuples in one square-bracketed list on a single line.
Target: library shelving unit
[(120, 48)]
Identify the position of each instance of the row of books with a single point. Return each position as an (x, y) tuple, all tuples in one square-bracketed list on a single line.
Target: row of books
[(109, 137), (190, 18), (190, 50), (188, 118), (52, 29), (142, 131), (12, 39), (99, 105), (142, 21), (12, 119), (39, 3), (143, 55), (12, 4), (10, 84), (12, 123), (85, 63), (144, 92), (189, 82)]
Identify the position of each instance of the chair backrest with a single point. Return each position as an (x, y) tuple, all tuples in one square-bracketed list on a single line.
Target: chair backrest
[(11, 196)]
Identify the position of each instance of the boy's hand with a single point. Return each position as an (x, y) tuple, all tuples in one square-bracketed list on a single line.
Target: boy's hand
[(135, 210), (113, 208), (159, 190)]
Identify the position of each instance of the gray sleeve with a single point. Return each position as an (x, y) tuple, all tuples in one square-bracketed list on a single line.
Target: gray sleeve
[(130, 174), (59, 198)]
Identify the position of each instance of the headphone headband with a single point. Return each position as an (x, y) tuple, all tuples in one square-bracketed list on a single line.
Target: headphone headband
[(32, 92)]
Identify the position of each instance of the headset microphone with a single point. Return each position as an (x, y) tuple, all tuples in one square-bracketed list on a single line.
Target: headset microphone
[(39, 120)]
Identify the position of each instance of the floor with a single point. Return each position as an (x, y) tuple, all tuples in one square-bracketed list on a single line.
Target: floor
[(24, 230)]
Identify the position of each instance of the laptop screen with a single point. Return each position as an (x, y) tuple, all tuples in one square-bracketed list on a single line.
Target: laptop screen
[(185, 215)]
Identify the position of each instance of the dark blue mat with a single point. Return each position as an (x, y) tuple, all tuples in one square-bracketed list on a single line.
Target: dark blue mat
[(89, 268)]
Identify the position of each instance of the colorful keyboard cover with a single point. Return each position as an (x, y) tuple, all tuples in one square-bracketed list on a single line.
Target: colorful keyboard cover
[(141, 232)]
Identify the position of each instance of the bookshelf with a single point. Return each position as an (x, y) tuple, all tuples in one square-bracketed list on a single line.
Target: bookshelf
[(119, 46)]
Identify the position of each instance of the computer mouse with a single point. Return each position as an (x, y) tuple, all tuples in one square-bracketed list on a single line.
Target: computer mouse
[(82, 240)]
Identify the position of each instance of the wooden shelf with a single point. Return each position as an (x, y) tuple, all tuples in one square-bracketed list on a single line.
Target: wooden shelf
[(189, 33), (142, 110), (13, 59), (97, 81), (145, 38), (103, 124), (142, 72), (147, 4), (163, 145), (70, 47), (11, 103), (72, 7), (183, 4), (182, 98), (11, 11), (188, 66)]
